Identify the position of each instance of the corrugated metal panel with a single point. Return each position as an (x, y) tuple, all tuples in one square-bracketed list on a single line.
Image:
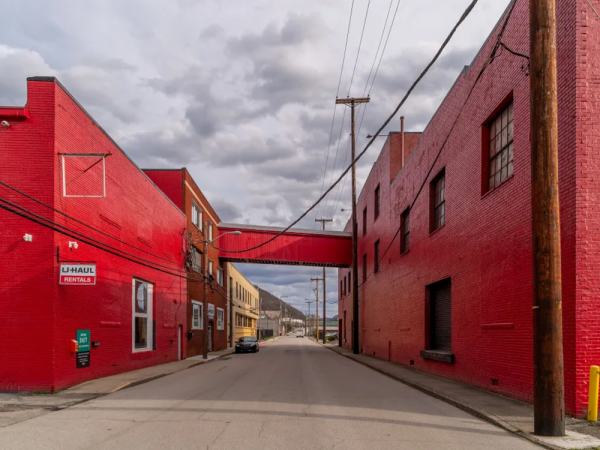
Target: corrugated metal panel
[(441, 316)]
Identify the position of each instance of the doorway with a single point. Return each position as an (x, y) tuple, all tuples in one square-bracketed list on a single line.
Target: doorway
[(210, 336)]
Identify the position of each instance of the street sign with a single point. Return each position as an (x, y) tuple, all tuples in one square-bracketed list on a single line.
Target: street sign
[(82, 359), (211, 311), (83, 339), (77, 274)]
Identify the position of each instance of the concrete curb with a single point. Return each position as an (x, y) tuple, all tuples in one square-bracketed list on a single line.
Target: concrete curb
[(481, 414)]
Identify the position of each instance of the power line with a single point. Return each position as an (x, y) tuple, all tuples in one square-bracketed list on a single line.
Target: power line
[(487, 63), (335, 105), (380, 40), (80, 222), (359, 46), (361, 154)]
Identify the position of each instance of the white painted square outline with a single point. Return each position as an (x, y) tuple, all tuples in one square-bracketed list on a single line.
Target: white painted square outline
[(91, 155), (201, 321)]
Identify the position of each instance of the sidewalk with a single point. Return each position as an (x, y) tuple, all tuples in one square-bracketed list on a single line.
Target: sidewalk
[(507, 413), (18, 407)]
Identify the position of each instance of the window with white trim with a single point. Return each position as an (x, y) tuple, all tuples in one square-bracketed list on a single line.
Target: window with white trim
[(196, 260), (142, 315), (195, 214), (220, 319), (238, 320), (197, 319), (210, 267), (210, 234), (219, 276)]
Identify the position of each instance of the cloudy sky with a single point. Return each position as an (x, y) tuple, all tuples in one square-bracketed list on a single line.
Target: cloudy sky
[(241, 92)]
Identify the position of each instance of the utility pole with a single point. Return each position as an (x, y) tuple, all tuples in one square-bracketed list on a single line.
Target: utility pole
[(205, 305), (317, 308), (548, 372), (355, 334), (323, 221), (307, 332)]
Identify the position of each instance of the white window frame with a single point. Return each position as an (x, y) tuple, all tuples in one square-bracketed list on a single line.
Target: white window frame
[(210, 234), (201, 318), (219, 276), (195, 215), (196, 252), (210, 267), (85, 155), (148, 315), (221, 318)]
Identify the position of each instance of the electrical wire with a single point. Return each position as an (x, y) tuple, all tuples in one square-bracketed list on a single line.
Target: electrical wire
[(361, 154), (359, 46), (593, 9), (80, 222), (486, 64)]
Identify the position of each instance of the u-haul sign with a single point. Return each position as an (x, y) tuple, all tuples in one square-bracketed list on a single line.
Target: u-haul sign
[(77, 274)]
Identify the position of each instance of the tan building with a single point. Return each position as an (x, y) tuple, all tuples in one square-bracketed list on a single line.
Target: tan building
[(244, 301)]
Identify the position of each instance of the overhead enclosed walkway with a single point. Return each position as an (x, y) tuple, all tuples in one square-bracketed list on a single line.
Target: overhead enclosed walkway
[(301, 247)]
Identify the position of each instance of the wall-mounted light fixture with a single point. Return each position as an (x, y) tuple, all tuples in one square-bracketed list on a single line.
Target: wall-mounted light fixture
[(28, 237), (73, 244)]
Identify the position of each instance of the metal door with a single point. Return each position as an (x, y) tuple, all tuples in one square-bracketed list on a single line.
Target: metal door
[(441, 316), (210, 336)]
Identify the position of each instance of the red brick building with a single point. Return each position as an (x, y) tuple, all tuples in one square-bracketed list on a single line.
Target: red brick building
[(180, 187), (453, 294), (70, 195)]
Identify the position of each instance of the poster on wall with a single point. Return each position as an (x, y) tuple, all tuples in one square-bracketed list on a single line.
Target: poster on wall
[(211, 311)]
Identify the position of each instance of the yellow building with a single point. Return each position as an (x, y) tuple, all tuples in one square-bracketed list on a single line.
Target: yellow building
[(244, 300)]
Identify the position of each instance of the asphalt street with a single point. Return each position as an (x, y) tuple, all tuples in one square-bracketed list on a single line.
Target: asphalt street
[(293, 394)]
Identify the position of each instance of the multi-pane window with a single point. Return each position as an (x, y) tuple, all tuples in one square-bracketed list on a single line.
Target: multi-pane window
[(365, 221), (439, 201), (142, 315), (238, 320), (364, 267), (219, 276), (501, 147), (195, 215), (220, 319), (377, 202), (196, 260), (197, 320), (377, 256), (405, 231)]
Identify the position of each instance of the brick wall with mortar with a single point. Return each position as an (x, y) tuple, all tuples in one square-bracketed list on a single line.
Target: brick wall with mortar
[(134, 211), (182, 189), (485, 245)]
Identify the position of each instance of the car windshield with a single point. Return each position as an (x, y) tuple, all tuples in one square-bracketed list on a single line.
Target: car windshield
[(248, 339)]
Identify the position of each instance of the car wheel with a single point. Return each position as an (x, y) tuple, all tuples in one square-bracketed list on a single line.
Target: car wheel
[(236, 350)]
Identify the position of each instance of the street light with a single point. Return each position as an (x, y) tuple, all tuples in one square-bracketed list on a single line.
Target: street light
[(205, 243), (369, 136)]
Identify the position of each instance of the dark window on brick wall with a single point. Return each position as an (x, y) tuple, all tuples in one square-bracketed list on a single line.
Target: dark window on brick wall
[(365, 221), (438, 201), (349, 281), (500, 147), (377, 256), (405, 231), (440, 316), (341, 288), (377, 202), (364, 267)]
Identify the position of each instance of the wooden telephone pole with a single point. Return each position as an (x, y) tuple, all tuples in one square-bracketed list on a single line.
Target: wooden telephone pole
[(355, 334), (307, 328), (317, 308), (548, 384), (323, 221)]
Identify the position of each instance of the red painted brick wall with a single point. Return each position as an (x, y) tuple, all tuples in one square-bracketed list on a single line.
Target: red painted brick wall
[(182, 189), (485, 245), (134, 212)]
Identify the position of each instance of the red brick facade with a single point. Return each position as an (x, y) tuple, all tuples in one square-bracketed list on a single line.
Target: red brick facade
[(183, 190), (485, 245), (40, 317)]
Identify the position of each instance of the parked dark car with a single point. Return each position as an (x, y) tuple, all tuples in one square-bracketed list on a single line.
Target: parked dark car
[(246, 344)]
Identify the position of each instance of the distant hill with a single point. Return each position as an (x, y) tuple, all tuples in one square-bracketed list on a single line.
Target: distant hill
[(269, 302)]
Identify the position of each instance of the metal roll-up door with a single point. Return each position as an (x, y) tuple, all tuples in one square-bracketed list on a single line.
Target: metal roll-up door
[(441, 316)]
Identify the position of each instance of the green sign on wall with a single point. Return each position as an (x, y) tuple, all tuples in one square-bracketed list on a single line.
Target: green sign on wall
[(83, 339)]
